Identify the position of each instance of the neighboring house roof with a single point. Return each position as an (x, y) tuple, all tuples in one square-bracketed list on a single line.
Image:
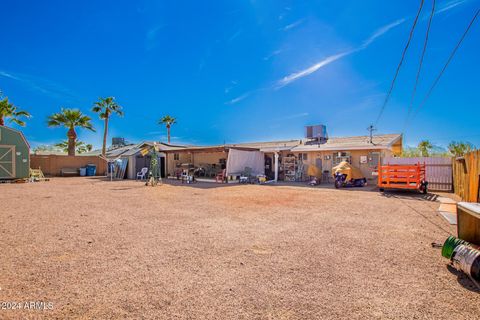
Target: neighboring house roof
[(268, 144), (282, 144), (381, 141)]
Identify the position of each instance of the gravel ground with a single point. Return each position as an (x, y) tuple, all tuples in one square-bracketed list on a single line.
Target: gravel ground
[(108, 250)]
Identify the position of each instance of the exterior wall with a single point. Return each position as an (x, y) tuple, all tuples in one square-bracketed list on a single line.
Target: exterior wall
[(327, 164), (184, 157), (397, 147), (197, 159), (52, 164), (208, 158)]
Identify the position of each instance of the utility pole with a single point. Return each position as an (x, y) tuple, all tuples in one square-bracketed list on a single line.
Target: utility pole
[(371, 128)]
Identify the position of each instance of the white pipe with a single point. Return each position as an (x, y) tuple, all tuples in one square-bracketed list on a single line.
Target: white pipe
[(276, 166)]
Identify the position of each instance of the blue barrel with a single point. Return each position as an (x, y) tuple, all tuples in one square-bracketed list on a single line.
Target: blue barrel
[(91, 170)]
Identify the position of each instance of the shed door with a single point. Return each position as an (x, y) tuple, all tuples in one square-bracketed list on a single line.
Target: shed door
[(7, 161)]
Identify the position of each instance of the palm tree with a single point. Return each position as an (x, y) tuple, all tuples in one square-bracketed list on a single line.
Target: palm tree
[(168, 122), (70, 118), (8, 110), (105, 107), (424, 147), (80, 146)]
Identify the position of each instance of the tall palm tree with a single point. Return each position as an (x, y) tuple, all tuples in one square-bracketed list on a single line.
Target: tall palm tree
[(8, 110), (168, 122), (71, 119), (424, 147), (106, 107)]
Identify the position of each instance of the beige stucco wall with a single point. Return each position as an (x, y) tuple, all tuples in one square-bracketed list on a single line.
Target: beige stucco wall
[(355, 156)]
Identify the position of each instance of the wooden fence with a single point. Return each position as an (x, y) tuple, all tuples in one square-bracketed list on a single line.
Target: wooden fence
[(52, 165), (466, 173), (438, 170)]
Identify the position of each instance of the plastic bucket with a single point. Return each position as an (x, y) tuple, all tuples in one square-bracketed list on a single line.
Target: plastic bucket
[(83, 172), (91, 170)]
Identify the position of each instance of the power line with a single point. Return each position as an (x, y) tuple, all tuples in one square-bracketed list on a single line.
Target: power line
[(437, 79), (417, 79), (387, 98)]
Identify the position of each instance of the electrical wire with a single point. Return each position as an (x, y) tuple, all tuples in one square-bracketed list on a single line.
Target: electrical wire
[(422, 57), (437, 79), (392, 85)]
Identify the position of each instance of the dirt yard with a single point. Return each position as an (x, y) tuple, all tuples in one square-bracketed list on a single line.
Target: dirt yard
[(106, 250)]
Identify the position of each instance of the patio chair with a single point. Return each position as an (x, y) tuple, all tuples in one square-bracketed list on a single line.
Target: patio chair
[(220, 177), (142, 175)]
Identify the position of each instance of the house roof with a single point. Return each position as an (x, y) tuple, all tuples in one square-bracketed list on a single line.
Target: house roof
[(381, 141)]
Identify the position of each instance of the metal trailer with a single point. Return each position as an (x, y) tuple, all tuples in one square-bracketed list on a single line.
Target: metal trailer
[(398, 176)]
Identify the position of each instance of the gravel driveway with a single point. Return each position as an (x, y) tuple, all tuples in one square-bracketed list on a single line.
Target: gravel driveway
[(96, 249)]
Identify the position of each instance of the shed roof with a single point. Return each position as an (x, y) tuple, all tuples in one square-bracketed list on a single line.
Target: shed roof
[(18, 132)]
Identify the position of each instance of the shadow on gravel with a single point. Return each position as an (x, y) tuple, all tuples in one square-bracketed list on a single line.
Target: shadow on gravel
[(409, 195), (464, 280)]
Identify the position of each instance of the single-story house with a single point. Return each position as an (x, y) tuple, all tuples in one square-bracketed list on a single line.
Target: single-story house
[(289, 159)]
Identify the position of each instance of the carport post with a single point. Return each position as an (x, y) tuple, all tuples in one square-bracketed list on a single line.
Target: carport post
[(276, 166)]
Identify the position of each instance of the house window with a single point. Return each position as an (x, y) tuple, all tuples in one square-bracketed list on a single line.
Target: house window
[(302, 156), (341, 156), (176, 156)]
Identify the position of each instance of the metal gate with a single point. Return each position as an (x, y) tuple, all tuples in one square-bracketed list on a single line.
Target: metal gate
[(7, 162), (438, 170)]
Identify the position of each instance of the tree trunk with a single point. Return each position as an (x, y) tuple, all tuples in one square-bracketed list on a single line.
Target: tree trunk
[(104, 147), (168, 133), (2, 122), (72, 138)]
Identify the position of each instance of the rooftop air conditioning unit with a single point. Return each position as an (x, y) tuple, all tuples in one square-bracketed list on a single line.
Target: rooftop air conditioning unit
[(317, 132), (118, 142)]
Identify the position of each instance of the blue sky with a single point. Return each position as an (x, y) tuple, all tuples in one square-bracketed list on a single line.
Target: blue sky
[(238, 71)]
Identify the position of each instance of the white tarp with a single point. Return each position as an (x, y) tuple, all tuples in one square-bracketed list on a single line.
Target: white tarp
[(239, 159)]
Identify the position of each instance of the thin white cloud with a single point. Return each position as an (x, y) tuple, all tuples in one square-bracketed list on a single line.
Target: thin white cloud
[(298, 75), (380, 32), (235, 35), (239, 98), (151, 37), (273, 54), (328, 60), (449, 5), (45, 86), (293, 116), (293, 25)]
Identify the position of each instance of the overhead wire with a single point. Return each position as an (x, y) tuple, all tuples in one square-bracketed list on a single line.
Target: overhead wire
[(452, 54), (422, 57), (405, 49)]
